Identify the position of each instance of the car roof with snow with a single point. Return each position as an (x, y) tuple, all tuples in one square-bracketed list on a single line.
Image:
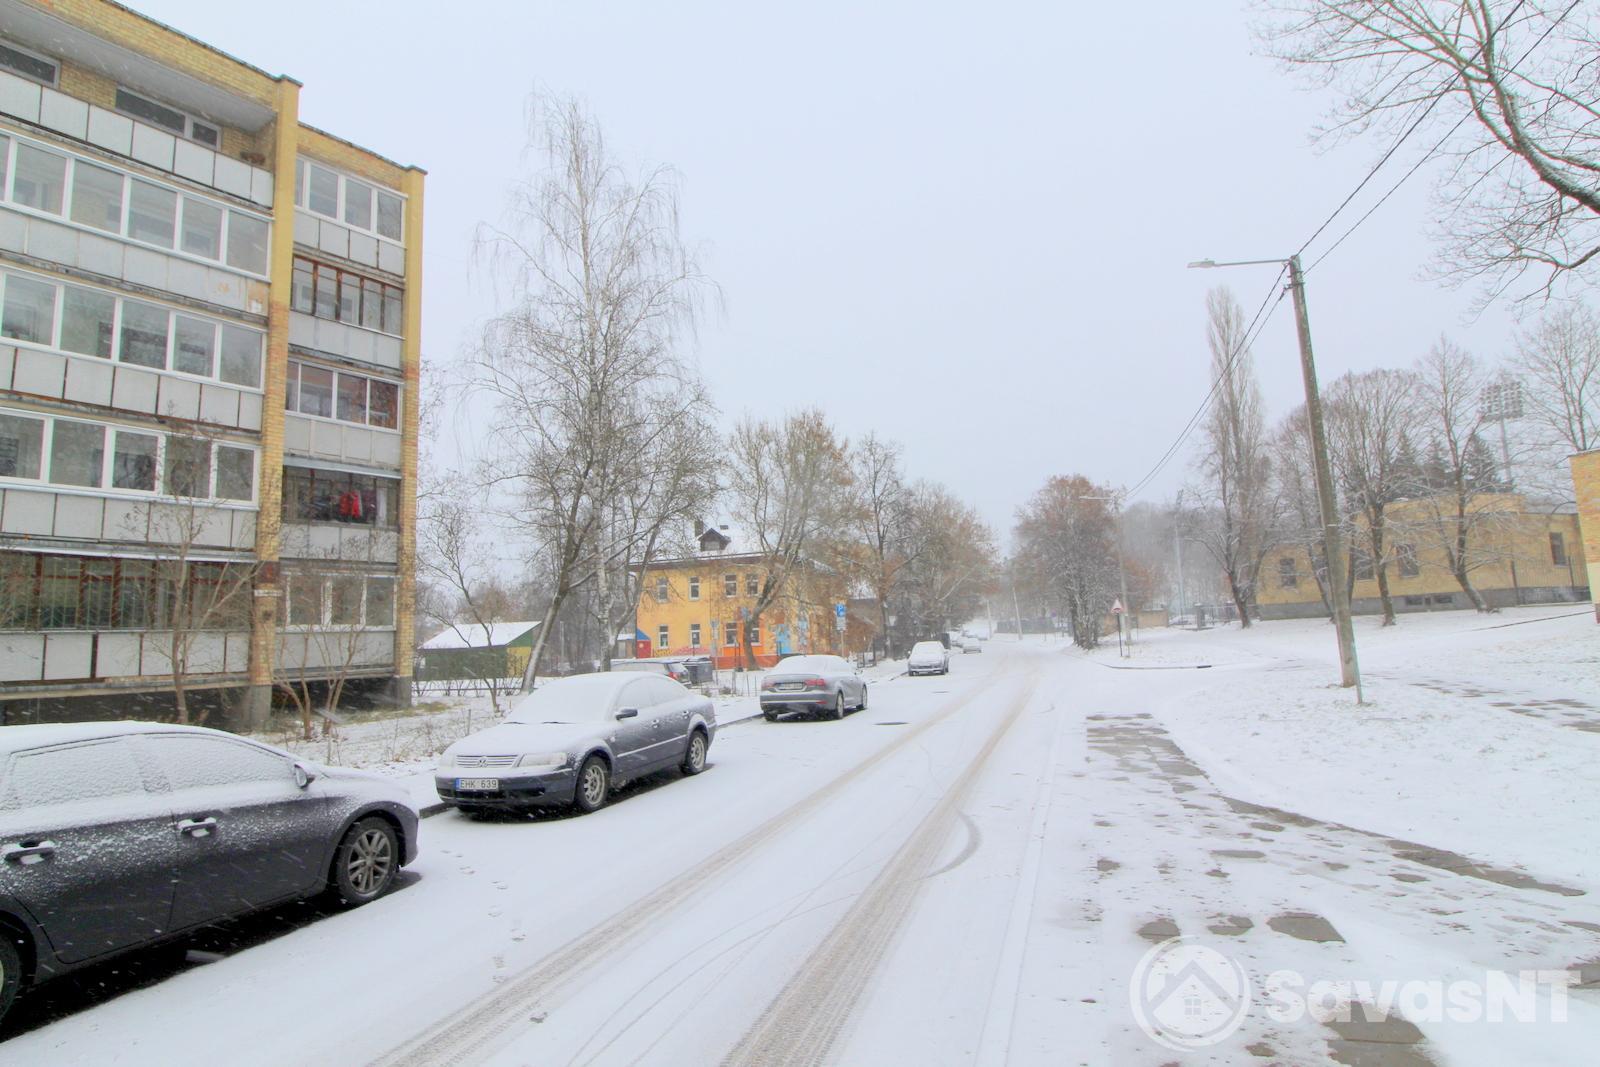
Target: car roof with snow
[(37, 735)]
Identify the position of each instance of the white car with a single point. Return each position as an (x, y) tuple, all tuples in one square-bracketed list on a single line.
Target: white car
[(970, 644), (928, 657)]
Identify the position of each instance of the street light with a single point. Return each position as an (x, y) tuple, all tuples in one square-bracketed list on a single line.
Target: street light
[(1349, 669)]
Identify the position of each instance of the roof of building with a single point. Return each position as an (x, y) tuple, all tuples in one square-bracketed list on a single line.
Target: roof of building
[(477, 635)]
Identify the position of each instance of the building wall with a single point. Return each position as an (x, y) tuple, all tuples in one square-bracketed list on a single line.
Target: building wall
[(1521, 568), (1586, 486), (242, 279), (804, 609)]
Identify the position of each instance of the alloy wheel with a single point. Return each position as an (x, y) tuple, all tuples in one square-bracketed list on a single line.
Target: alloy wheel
[(370, 862)]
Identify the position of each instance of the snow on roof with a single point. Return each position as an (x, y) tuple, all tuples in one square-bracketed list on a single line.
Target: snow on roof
[(476, 635)]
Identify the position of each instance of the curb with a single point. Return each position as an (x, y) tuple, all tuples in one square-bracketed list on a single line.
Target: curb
[(428, 811)]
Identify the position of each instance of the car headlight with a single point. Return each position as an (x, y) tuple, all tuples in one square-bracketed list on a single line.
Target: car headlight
[(546, 761)]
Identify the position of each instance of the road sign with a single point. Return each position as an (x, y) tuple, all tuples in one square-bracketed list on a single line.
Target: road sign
[(838, 611), (1116, 607)]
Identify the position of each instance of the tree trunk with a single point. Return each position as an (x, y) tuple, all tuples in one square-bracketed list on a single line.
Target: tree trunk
[(1380, 566), (1383, 594), (1238, 601), (532, 670), (1465, 581), (883, 618)]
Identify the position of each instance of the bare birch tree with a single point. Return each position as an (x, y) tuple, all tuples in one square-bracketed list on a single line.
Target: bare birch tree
[(1558, 363), (1368, 417), (452, 558), (1507, 81), (1461, 510), (581, 370), (881, 519), (789, 487), (1295, 479), (1234, 464)]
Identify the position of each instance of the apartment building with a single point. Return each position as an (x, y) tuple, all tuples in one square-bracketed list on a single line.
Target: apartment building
[(209, 342)]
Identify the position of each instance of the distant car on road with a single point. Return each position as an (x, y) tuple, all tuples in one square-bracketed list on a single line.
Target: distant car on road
[(119, 835), (573, 740), (827, 685), (970, 644), (928, 657)]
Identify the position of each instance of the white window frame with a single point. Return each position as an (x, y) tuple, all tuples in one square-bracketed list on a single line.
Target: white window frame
[(115, 358), (292, 374), (302, 198), (694, 587), (54, 81), (176, 250), (325, 604), (663, 636), (694, 635), (108, 457)]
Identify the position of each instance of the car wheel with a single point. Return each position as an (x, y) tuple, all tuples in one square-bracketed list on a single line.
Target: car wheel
[(367, 861), (694, 760), (837, 711), (770, 716), (594, 785), (10, 970)]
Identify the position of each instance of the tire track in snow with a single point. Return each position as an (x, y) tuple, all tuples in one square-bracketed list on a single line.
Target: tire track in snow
[(804, 1020), (472, 1033)]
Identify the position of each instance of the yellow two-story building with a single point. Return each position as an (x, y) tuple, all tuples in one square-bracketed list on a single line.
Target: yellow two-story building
[(704, 604)]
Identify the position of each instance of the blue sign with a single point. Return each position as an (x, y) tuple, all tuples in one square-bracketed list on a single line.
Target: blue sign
[(838, 610)]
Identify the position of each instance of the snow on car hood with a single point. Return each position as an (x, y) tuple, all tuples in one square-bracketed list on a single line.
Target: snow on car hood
[(518, 738)]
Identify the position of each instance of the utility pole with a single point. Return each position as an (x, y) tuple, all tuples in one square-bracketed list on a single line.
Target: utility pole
[(1177, 546), (1332, 541), (1016, 605), (1349, 669)]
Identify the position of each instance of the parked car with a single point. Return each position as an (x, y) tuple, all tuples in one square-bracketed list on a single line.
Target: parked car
[(669, 668), (119, 835), (827, 685), (970, 644), (573, 740), (928, 657)]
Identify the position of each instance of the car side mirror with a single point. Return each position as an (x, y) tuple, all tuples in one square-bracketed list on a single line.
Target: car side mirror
[(628, 713), (303, 775)]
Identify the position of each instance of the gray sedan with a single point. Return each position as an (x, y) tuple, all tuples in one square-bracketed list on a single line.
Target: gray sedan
[(573, 740), (824, 684), (118, 835)]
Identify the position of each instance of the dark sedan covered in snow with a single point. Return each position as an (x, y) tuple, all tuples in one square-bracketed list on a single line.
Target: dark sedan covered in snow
[(118, 835)]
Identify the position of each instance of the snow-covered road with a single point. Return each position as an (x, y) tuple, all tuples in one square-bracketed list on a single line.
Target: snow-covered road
[(967, 872)]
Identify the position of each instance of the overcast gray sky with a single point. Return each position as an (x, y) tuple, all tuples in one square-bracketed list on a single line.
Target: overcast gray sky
[(961, 226)]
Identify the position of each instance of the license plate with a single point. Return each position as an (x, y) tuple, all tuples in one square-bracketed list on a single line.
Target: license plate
[(478, 784), (790, 687)]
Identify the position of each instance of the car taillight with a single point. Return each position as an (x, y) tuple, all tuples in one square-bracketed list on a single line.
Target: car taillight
[(816, 683), (768, 683)]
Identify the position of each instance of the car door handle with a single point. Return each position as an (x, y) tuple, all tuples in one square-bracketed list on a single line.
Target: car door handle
[(27, 853), (197, 827)]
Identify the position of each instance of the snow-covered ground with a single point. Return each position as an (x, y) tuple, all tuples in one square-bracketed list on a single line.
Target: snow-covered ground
[(972, 870)]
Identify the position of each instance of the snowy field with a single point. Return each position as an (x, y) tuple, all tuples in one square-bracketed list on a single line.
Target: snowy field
[(976, 870)]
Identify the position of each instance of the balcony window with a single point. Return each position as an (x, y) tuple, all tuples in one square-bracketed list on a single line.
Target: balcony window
[(247, 242), (241, 357), (390, 215), (305, 600), (354, 202), (87, 320), (144, 334), (383, 404), (314, 495), (345, 599), (316, 391), (77, 453), (30, 65), (327, 292), (40, 179), (202, 229), (380, 601), (153, 215), (188, 468), (236, 473), (30, 310), (21, 446), (133, 462), (323, 193), (194, 348), (97, 197), (358, 204)]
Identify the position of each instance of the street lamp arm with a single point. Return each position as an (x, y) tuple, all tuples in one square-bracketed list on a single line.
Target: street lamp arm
[(1208, 264)]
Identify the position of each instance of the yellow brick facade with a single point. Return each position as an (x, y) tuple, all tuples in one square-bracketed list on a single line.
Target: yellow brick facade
[(1586, 487), (687, 593), (1531, 556)]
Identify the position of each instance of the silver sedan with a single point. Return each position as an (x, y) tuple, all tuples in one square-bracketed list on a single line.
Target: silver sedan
[(824, 684), (573, 740)]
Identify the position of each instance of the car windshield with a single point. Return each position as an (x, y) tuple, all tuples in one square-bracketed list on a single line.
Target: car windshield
[(807, 665), (567, 700), (927, 648)]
